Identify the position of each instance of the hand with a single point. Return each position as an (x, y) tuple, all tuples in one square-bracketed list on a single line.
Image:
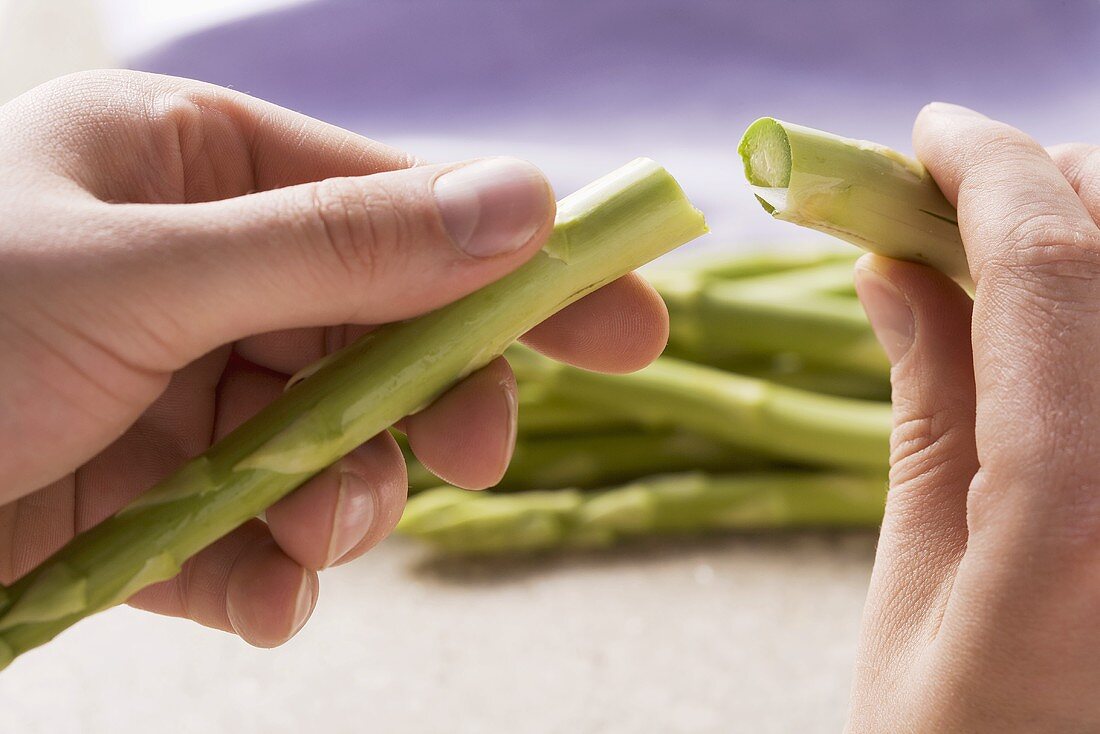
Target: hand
[(985, 596), (170, 252)]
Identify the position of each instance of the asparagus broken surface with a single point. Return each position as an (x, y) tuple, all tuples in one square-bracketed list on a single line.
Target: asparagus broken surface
[(862, 192), (602, 232), (457, 521)]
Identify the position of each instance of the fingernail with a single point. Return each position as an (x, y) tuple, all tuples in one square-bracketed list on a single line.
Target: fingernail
[(492, 207), (353, 517), (888, 311), (305, 601), (946, 108)]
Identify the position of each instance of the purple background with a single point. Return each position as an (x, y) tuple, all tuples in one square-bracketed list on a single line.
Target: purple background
[(580, 86)]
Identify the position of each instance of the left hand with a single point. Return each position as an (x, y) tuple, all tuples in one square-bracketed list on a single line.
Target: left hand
[(171, 251)]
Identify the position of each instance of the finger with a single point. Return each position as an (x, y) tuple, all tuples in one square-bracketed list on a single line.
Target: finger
[(342, 512), (1035, 255), (175, 428), (108, 128), (1080, 164), (292, 350), (372, 249), (466, 437), (242, 583), (345, 510), (1016, 209), (619, 328), (622, 327), (922, 320)]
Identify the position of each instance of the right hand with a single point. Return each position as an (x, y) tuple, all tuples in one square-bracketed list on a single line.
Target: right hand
[(985, 599)]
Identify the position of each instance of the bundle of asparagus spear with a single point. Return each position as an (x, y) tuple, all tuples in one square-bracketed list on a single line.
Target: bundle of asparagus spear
[(768, 410)]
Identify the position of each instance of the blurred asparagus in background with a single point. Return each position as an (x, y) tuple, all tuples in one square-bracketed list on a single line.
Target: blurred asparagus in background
[(769, 411), (486, 522)]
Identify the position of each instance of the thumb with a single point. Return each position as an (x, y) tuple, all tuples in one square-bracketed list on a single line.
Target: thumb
[(368, 249), (922, 320)]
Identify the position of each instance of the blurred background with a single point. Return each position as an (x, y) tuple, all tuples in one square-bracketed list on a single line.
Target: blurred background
[(743, 633)]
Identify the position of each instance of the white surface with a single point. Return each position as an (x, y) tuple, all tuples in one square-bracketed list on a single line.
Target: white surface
[(750, 634), (132, 27)]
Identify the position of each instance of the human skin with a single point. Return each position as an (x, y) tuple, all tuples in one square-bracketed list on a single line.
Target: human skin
[(171, 252), (985, 595)]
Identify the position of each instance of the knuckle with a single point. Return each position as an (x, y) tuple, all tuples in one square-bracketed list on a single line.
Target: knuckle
[(1002, 141), (1085, 177), (362, 231), (1049, 258), (1079, 162), (1039, 233), (922, 446)]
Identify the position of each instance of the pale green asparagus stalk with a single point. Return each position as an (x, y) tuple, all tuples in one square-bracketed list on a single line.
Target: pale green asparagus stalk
[(457, 521), (743, 265), (790, 371), (550, 416), (750, 413), (603, 459), (832, 278), (602, 232), (865, 193), (718, 322)]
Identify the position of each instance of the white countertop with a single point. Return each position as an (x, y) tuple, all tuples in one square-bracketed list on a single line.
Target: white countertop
[(752, 634)]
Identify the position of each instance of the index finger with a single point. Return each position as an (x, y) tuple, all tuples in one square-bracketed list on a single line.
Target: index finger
[(618, 328), (1034, 252)]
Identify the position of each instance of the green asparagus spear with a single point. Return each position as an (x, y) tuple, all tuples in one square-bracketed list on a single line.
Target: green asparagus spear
[(791, 370), (743, 265), (718, 322), (754, 414), (550, 416), (867, 194), (831, 278), (603, 459), (797, 326), (602, 232), (457, 521)]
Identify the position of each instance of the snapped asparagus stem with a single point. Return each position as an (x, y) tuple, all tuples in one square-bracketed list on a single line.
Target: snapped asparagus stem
[(461, 522), (780, 422), (603, 459), (861, 192), (602, 232)]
